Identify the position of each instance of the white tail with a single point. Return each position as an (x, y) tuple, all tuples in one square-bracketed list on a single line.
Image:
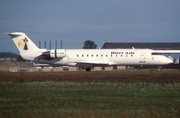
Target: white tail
[(22, 42)]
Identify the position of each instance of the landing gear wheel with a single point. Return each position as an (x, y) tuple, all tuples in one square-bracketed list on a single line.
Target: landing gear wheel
[(88, 69)]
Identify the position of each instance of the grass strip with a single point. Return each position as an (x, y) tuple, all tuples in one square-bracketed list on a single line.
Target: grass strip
[(85, 99)]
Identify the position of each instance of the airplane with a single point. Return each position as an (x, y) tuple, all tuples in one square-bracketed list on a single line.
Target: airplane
[(89, 58)]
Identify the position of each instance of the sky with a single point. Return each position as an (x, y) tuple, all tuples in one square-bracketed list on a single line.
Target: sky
[(75, 21)]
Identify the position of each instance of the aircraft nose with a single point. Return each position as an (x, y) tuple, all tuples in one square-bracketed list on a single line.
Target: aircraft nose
[(170, 61), (167, 61)]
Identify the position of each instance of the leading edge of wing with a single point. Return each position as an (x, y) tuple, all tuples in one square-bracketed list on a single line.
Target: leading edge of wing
[(93, 63)]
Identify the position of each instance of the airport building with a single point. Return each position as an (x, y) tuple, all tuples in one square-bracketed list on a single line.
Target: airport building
[(143, 45), (148, 45)]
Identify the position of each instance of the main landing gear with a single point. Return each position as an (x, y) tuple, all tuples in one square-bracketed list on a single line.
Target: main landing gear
[(88, 69)]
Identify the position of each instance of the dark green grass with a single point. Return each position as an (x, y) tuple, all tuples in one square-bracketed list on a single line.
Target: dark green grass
[(89, 99)]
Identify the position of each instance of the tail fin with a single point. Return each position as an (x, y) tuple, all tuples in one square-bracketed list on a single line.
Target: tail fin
[(22, 42)]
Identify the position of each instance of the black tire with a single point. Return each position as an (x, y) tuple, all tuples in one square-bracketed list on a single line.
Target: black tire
[(88, 69)]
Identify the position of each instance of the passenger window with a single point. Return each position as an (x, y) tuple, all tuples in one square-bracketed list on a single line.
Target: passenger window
[(77, 55)]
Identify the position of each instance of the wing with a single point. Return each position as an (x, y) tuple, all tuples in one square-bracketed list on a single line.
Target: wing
[(93, 63)]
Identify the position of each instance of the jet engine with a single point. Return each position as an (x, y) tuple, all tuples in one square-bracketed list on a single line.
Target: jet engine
[(55, 53)]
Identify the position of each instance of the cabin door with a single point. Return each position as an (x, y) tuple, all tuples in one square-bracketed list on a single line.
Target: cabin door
[(142, 58)]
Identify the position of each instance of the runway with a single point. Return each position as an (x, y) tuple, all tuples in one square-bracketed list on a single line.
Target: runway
[(93, 76)]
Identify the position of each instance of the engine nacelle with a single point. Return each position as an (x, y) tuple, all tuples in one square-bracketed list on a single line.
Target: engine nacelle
[(55, 53)]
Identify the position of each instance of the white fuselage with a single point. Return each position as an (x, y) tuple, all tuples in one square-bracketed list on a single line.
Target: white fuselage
[(107, 57)]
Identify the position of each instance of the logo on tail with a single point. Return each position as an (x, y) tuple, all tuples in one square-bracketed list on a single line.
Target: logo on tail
[(22, 44)]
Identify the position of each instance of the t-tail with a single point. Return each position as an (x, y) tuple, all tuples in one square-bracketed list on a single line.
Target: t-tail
[(28, 50), (22, 42)]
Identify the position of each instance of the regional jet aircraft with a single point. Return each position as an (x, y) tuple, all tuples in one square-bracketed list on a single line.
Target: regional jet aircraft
[(89, 58)]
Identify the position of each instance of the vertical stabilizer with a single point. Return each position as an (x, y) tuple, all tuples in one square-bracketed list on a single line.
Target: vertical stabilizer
[(22, 42)]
